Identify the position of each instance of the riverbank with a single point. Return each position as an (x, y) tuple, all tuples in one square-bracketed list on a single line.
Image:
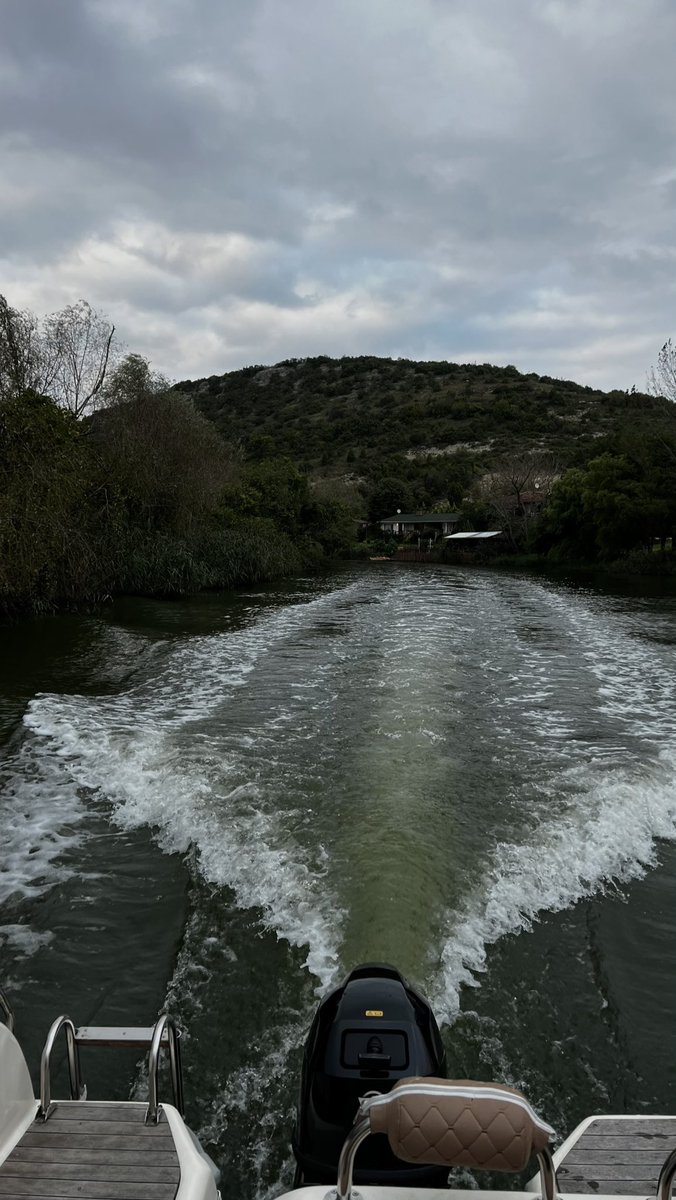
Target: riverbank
[(163, 567), (650, 564)]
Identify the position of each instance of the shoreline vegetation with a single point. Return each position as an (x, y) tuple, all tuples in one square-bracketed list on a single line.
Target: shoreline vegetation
[(89, 510), (113, 481)]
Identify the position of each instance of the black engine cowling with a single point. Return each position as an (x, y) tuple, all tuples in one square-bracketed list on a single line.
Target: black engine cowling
[(366, 1034)]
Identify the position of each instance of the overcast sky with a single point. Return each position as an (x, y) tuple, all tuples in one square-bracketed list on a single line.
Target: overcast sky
[(241, 181)]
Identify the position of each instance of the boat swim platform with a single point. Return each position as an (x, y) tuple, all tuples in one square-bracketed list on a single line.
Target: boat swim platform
[(93, 1151), (107, 1151), (615, 1155)]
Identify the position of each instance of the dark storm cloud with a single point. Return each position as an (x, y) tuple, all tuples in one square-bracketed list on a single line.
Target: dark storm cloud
[(268, 178)]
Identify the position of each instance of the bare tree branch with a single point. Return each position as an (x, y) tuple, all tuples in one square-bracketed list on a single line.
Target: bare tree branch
[(516, 488), (662, 378), (67, 358), (25, 361), (81, 341)]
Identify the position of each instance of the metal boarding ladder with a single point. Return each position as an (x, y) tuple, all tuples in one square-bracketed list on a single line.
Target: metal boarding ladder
[(164, 1033)]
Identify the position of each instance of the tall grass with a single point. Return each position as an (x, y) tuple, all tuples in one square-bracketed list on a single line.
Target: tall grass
[(159, 564)]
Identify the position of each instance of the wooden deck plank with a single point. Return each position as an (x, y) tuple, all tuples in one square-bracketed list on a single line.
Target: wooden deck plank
[(71, 1189), (646, 1126), (625, 1170), (77, 1110), (656, 1141), (39, 1154), (618, 1157), (611, 1187), (93, 1152), (104, 1141), (93, 1128), (108, 1171), (597, 1158)]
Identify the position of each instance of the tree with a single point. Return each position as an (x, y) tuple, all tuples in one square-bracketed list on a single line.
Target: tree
[(515, 490), (662, 378), (566, 529), (388, 496), (25, 364), (79, 341), (45, 554), (167, 460), (275, 488), (616, 505), (66, 357)]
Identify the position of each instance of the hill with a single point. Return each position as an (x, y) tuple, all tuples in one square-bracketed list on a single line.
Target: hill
[(352, 415)]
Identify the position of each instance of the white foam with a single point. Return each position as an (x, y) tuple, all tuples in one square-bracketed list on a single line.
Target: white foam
[(40, 816), (241, 846), (129, 748), (619, 799), (147, 751), (24, 940), (248, 1090), (568, 859)]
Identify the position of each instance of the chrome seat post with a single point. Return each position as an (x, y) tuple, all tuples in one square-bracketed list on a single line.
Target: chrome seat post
[(666, 1179)]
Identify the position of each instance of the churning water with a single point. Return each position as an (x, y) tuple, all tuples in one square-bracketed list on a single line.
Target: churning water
[(222, 805)]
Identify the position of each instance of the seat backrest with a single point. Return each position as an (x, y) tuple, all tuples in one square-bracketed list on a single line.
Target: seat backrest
[(450, 1122), (459, 1123)]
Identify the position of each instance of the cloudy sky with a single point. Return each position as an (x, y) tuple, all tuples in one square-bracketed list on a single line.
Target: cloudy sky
[(241, 181)]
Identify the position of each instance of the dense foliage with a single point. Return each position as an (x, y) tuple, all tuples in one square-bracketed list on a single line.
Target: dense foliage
[(561, 469), (143, 496), (621, 501), (237, 478), (353, 414)]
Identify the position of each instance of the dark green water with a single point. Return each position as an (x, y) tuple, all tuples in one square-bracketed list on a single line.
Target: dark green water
[(221, 805)]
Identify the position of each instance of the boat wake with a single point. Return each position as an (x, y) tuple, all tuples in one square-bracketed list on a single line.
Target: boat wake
[(163, 755), (385, 771), (598, 824), (608, 838), (238, 744)]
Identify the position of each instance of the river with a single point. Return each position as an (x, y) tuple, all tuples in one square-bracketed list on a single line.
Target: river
[(221, 804)]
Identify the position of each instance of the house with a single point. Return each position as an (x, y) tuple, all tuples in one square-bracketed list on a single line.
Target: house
[(430, 525)]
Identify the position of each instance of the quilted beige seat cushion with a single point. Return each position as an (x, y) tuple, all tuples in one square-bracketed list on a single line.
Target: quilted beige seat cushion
[(460, 1123)]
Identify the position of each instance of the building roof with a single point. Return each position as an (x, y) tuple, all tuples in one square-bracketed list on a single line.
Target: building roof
[(420, 518)]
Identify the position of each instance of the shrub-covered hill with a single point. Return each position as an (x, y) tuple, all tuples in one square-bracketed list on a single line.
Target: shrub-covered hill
[(336, 413)]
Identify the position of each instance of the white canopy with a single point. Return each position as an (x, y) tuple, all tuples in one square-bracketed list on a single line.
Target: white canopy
[(484, 534)]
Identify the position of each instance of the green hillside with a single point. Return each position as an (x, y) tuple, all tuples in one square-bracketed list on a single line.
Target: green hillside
[(353, 413)]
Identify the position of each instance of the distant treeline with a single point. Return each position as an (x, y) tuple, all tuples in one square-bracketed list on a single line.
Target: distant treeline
[(129, 488), (112, 481), (352, 415), (143, 498), (618, 510), (565, 471)]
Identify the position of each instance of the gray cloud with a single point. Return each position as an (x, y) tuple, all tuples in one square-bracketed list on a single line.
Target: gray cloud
[(239, 183)]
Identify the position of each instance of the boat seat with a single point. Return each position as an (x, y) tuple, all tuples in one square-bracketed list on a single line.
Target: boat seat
[(449, 1122)]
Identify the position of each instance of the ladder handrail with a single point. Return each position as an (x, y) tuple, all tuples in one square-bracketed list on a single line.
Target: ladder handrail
[(164, 1033), (77, 1089), (165, 1023)]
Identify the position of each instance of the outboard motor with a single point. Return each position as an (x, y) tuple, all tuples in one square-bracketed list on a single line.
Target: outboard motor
[(366, 1034)]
